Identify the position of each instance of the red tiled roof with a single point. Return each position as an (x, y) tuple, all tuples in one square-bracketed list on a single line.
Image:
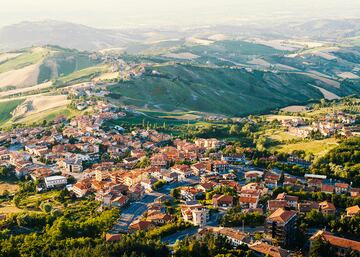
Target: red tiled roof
[(337, 241), (281, 215)]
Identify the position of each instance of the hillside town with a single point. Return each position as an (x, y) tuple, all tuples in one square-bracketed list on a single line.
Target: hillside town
[(144, 174)]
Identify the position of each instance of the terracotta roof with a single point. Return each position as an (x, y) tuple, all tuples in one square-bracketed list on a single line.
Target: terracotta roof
[(271, 250), (341, 185), (275, 204), (112, 237), (281, 215), (140, 225), (327, 188), (327, 206), (232, 233), (223, 198), (286, 197), (353, 210), (337, 241), (247, 199)]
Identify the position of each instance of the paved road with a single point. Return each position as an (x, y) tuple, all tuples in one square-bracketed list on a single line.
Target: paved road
[(170, 240), (132, 212)]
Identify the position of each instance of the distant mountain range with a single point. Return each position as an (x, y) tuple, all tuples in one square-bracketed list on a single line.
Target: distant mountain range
[(71, 35)]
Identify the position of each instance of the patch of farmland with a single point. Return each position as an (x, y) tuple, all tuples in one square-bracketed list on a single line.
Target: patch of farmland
[(184, 56), (7, 56), (348, 75), (327, 94), (23, 77)]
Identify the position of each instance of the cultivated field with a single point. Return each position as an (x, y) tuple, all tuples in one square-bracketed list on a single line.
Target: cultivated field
[(294, 108), (24, 77), (316, 147)]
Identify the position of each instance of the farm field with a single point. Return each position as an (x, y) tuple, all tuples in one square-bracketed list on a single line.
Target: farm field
[(316, 147), (27, 58)]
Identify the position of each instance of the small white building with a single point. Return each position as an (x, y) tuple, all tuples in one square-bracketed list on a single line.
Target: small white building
[(54, 181)]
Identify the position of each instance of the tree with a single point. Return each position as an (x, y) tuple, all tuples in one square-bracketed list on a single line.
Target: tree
[(46, 207), (175, 192), (16, 200), (321, 248)]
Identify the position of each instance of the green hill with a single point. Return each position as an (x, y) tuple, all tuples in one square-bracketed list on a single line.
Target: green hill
[(219, 90)]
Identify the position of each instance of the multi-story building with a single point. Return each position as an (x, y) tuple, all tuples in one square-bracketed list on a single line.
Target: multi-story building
[(196, 214), (281, 226), (54, 181)]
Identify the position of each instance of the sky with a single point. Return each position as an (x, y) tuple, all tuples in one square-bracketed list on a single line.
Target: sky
[(134, 13)]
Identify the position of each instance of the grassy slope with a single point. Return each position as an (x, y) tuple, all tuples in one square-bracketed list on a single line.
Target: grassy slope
[(29, 57), (6, 108), (81, 75), (66, 62), (216, 90), (317, 147)]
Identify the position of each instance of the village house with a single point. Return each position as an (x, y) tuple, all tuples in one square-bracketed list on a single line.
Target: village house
[(273, 205), (292, 201), (342, 246), (327, 208), (82, 188), (352, 211), (209, 143), (71, 165), (262, 249), (249, 199), (253, 175), (140, 225), (341, 188), (222, 201), (307, 206), (327, 188), (182, 170), (236, 237), (159, 218), (190, 193)]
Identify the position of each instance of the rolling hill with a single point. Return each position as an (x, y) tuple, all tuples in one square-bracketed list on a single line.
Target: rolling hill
[(220, 90)]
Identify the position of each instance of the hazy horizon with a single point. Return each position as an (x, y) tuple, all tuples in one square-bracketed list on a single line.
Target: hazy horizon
[(137, 13)]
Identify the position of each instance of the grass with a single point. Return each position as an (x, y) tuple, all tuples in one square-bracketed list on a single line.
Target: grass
[(10, 186), (279, 135), (316, 147), (6, 108), (29, 57), (9, 209), (48, 115), (81, 75), (215, 90)]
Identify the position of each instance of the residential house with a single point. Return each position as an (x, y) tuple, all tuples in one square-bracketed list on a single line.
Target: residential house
[(222, 201), (235, 237), (352, 211), (327, 188), (182, 170), (290, 199), (140, 225), (159, 218), (262, 249), (341, 188), (341, 246), (82, 188), (249, 199), (327, 208)]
